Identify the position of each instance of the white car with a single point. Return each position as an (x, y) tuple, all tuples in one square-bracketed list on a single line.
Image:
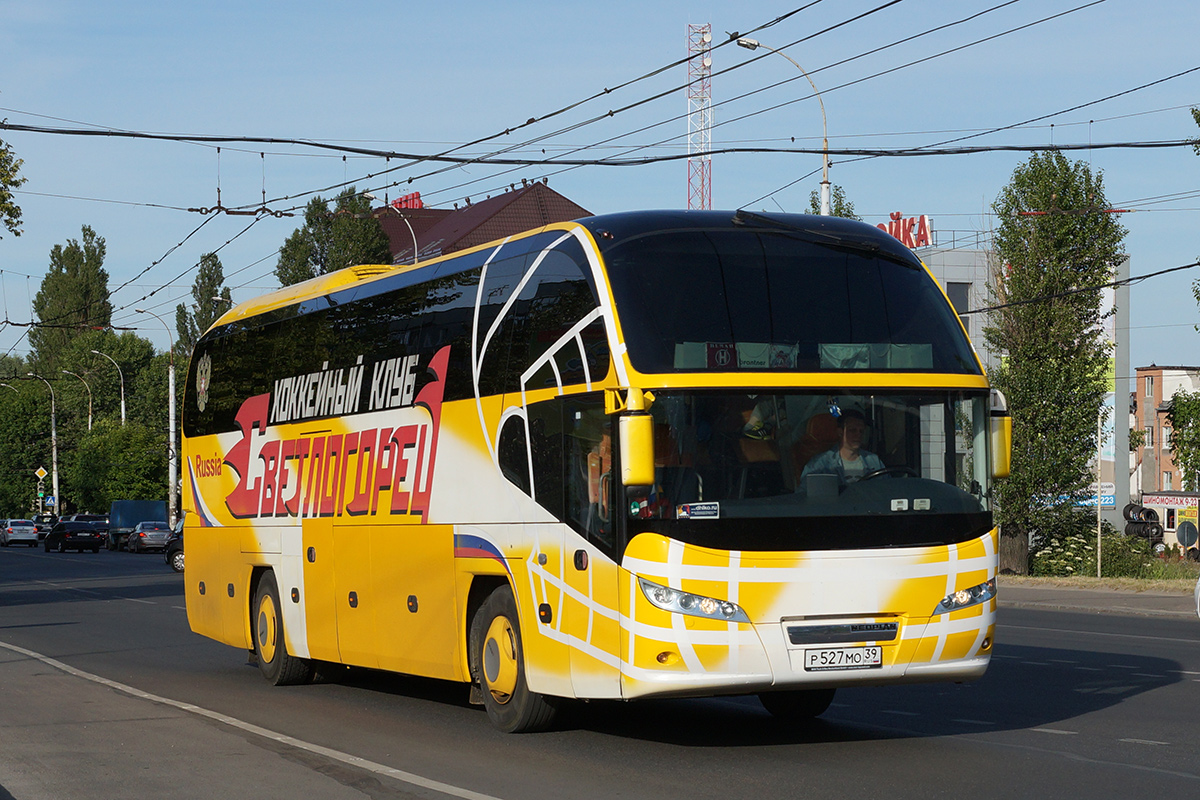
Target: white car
[(18, 531), (1197, 594)]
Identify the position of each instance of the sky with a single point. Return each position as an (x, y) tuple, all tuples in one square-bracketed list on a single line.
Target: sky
[(422, 78)]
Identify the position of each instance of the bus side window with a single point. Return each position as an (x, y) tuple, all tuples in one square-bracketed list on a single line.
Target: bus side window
[(589, 476)]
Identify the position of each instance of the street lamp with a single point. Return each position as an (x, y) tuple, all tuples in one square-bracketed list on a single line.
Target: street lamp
[(58, 504), (85, 385), (752, 44), (6, 386), (172, 453), (120, 375)]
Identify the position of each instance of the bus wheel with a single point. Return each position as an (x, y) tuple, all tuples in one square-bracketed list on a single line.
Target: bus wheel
[(277, 665), (498, 666), (797, 704)]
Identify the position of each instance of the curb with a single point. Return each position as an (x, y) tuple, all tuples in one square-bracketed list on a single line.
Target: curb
[(1131, 611)]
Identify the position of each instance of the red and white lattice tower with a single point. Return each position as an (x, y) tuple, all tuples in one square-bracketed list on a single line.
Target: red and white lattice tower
[(699, 116)]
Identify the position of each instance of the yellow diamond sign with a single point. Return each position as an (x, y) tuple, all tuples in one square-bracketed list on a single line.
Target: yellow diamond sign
[(41, 473)]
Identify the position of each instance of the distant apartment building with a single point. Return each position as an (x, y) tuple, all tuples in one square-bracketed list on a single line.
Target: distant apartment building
[(1156, 469)]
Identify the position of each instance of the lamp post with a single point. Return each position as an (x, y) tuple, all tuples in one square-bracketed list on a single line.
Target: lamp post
[(172, 453), (410, 230), (120, 375), (7, 386), (89, 390), (58, 504), (403, 218), (752, 44)]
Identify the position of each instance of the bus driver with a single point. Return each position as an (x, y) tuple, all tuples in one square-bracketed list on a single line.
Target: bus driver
[(847, 460)]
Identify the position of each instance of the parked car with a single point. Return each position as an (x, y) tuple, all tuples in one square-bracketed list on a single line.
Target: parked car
[(18, 531), (174, 549), (72, 535), (150, 535), (43, 523)]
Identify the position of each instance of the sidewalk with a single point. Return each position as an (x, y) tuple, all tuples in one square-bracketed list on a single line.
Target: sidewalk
[(1097, 601)]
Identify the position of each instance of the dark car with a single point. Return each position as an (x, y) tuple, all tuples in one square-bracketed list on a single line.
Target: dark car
[(43, 523), (151, 535), (174, 550), (86, 518), (79, 536)]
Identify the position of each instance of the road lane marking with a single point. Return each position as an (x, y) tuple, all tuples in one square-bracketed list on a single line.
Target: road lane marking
[(900, 713), (1089, 669), (1147, 675), (248, 727), (1145, 741), (992, 743), (135, 600)]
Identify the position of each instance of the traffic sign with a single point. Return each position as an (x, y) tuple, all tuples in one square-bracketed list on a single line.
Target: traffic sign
[(41, 473), (1186, 533), (50, 501)]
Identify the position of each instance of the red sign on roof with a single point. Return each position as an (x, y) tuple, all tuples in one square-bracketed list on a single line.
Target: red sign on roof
[(912, 232), (408, 201)]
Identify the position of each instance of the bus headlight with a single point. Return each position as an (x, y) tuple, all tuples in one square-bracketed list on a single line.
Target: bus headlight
[(694, 605), (965, 598)]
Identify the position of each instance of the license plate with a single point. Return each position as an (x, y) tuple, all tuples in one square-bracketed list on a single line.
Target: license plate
[(833, 658)]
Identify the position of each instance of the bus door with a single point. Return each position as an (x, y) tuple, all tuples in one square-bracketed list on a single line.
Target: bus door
[(590, 569)]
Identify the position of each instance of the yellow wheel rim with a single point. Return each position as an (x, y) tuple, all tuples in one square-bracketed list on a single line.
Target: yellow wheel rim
[(500, 660), (268, 629)]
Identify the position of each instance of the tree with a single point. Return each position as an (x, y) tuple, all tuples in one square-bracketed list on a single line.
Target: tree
[(839, 204), (211, 300), (1054, 361), (1184, 418), (115, 462), (328, 241), (10, 166), (73, 298)]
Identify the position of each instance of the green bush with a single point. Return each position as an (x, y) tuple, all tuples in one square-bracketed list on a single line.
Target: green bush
[(1073, 552)]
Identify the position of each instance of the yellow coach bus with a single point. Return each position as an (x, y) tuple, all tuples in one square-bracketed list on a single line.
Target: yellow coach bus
[(642, 454)]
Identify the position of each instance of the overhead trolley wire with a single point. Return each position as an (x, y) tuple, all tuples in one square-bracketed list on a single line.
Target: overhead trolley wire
[(1070, 292), (821, 69)]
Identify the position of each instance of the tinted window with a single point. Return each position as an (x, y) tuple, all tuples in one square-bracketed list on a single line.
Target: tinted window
[(415, 314), (723, 300)]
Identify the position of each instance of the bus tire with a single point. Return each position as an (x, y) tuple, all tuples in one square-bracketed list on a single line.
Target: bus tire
[(498, 667), (279, 667), (797, 704)]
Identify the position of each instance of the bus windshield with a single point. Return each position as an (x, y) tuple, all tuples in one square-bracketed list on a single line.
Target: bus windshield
[(804, 470), (776, 300)]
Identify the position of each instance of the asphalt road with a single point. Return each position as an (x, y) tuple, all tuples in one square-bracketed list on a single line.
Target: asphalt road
[(105, 693)]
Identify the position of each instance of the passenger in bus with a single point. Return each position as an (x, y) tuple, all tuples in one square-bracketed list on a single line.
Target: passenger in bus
[(848, 460)]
